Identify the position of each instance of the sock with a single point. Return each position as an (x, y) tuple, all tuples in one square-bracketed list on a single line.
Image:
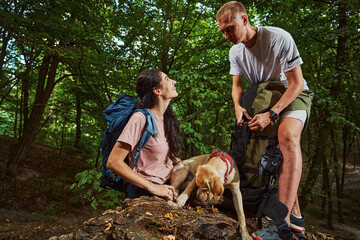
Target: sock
[(297, 216)]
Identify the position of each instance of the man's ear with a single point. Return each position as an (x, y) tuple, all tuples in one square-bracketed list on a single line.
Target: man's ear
[(245, 19)]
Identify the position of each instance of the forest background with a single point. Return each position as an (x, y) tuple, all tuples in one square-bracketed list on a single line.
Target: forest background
[(63, 62)]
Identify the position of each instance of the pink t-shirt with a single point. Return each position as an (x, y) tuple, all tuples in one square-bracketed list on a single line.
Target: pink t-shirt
[(153, 162)]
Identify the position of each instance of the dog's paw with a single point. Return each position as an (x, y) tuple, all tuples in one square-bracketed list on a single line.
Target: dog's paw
[(172, 204), (245, 235), (181, 200), (176, 194)]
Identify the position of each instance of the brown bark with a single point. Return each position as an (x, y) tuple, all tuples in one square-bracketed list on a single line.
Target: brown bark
[(152, 218)]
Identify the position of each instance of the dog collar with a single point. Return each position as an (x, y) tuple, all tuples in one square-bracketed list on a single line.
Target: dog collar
[(227, 159)]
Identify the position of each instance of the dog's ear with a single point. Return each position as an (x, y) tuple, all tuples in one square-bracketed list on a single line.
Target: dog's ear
[(217, 188), (199, 178), (196, 170)]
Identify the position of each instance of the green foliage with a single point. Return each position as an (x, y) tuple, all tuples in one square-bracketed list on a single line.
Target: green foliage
[(6, 123), (204, 110), (87, 189)]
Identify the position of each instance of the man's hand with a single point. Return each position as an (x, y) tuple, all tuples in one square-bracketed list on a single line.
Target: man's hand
[(260, 121), (240, 112)]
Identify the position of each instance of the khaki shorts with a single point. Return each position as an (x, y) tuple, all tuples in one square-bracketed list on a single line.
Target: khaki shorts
[(302, 102)]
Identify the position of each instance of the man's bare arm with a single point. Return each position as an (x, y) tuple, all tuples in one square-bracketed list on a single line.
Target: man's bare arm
[(296, 85), (237, 91)]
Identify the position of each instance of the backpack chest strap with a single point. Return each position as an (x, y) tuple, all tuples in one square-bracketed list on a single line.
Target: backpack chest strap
[(227, 159)]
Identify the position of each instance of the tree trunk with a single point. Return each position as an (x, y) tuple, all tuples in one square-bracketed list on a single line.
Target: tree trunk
[(336, 172), (323, 199), (44, 90), (24, 113), (65, 119), (346, 146), (315, 168), (17, 113), (327, 193), (78, 118), (335, 89), (356, 151), (330, 223), (26, 85), (5, 41)]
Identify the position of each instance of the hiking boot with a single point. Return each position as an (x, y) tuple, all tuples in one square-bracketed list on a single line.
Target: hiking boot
[(278, 230), (296, 225)]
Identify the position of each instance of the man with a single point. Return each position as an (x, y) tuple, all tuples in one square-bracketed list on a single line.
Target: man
[(270, 54)]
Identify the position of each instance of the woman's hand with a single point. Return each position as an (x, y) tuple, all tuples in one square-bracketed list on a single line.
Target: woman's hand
[(165, 191), (260, 121)]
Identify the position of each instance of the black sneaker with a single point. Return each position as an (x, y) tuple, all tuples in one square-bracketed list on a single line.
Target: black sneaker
[(300, 236), (297, 225), (275, 231)]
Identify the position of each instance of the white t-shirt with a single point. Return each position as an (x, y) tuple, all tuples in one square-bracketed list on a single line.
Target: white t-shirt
[(274, 53)]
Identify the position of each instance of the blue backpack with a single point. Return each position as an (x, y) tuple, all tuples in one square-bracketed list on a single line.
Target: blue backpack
[(117, 115)]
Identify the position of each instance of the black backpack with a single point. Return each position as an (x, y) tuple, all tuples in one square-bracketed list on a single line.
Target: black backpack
[(117, 115), (257, 154)]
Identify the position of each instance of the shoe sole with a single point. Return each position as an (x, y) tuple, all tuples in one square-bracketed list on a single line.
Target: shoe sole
[(293, 227), (296, 228), (256, 237)]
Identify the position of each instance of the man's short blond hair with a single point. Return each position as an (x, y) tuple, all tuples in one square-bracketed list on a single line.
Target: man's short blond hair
[(233, 7)]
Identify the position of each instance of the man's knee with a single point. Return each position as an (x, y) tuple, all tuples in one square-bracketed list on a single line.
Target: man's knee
[(289, 141), (289, 144), (289, 134)]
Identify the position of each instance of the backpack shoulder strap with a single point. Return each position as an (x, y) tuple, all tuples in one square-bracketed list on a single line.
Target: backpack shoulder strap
[(150, 130)]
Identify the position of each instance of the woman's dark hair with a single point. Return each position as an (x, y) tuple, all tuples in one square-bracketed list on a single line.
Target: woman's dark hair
[(146, 82)]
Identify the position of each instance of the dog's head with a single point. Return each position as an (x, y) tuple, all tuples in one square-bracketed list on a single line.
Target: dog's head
[(209, 184)]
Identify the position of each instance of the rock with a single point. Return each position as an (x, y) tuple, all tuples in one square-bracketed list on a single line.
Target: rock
[(27, 174)]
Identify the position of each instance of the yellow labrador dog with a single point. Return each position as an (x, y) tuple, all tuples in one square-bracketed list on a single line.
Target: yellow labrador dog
[(210, 173)]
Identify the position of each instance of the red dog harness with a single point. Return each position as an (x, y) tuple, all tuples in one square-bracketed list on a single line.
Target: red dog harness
[(227, 159)]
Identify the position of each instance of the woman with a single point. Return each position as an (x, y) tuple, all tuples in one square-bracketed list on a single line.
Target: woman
[(155, 162)]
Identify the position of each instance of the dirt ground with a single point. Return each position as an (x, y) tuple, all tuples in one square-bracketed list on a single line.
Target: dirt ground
[(39, 204)]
